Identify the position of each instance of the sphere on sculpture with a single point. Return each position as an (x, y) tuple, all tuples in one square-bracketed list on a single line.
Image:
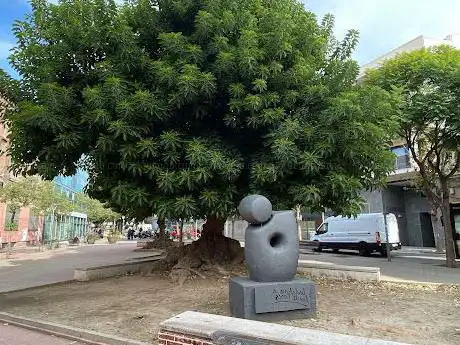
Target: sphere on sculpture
[(255, 209)]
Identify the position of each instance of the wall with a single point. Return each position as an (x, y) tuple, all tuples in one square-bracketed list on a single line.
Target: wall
[(23, 234), (414, 205), (406, 205), (207, 329), (417, 43), (373, 201), (236, 230), (175, 338), (394, 203)]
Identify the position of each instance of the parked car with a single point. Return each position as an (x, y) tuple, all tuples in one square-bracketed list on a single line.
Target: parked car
[(365, 233)]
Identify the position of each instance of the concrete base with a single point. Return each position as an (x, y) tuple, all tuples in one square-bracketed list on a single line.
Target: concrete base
[(119, 269), (216, 329), (75, 335), (272, 301)]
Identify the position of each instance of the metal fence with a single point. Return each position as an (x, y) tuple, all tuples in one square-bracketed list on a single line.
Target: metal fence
[(62, 228)]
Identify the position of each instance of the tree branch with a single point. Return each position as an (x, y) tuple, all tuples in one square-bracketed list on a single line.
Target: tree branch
[(425, 180), (456, 166)]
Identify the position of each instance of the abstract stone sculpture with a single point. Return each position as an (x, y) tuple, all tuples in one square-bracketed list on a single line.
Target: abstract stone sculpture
[(271, 242), (272, 254)]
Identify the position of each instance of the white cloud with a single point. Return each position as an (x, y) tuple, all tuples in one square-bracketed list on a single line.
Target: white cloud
[(386, 24)]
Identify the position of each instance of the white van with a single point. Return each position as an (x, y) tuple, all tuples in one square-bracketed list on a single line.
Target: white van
[(365, 233)]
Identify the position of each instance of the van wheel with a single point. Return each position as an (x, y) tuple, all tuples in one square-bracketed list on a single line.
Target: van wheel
[(363, 250)]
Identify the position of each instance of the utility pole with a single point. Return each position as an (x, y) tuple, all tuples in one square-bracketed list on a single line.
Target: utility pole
[(387, 236), (299, 222)]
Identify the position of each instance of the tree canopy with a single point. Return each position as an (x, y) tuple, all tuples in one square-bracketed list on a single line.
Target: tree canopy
[(180, 108), (428, 81), (40, 196), (96, 211)]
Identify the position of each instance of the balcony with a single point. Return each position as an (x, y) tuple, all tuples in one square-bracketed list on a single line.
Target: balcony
[(403, 162)]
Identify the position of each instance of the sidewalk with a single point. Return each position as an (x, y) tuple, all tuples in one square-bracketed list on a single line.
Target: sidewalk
[(417, 250), (11, 335), (53, 267), (406, 266)]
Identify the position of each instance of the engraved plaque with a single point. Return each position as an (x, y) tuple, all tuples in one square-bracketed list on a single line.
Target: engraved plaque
[(283, 297)]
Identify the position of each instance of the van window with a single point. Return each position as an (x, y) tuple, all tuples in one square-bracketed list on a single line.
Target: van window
[(322, 229)]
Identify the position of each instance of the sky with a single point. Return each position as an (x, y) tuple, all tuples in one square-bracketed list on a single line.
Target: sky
[(383, 24)]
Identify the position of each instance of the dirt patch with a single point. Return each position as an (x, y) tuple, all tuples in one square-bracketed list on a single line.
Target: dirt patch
[(133, 306)]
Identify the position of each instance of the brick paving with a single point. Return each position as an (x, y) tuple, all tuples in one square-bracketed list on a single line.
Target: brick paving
[(11, 335)]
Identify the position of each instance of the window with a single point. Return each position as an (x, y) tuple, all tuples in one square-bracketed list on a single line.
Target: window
[(322, 229), (457, 226), (402, 157)]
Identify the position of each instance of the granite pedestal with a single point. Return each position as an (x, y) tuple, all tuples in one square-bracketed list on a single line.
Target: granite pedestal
[(271, 301)]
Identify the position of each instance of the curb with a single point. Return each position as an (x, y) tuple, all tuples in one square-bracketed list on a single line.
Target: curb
[(411, 282), (113, 270), (36, 287), (67, 332), (338, 272)]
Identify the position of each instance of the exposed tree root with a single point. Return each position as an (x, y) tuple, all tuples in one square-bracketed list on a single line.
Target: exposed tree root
[(158, 243), (207, 257), (213, 255)]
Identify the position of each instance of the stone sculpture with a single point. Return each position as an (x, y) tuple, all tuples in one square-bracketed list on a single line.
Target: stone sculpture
[(272, 253)]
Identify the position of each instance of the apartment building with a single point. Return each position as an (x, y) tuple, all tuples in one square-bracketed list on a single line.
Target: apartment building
[(411, 207)]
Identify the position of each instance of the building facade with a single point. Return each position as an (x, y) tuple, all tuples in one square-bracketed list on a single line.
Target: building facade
[(70, 185), (65, 227), (29, 229), (411, 207)]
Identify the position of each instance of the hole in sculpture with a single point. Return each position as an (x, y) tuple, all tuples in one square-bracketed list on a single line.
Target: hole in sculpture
[(276, 240)]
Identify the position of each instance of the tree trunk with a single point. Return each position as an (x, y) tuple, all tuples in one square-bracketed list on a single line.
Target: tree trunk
[(181, 231), (214, 226), (438, 230), (212, 247), (450, 244), (13, 214), (206, 254), (162, 229)]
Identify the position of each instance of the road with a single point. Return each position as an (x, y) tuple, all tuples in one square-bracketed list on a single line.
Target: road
[(11, 335), (406, 266), (54, 267)]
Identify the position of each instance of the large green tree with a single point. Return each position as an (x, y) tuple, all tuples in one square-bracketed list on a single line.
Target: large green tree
[(42, 197), (429, 83), (180, 108), (96, 211)]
